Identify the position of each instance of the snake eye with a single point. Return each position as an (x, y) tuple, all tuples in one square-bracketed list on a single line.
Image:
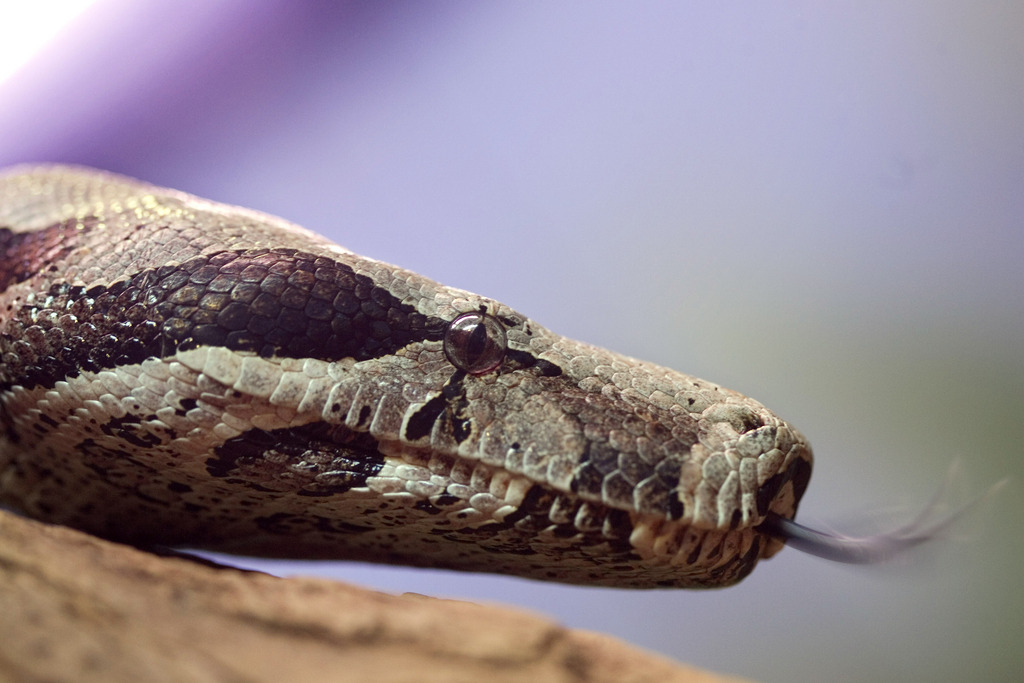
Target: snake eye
[(475, 343)]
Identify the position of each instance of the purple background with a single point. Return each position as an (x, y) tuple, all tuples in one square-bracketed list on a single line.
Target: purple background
[(821, 206)]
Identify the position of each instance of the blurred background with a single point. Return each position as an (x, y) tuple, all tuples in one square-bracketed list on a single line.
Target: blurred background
[(820, 205)]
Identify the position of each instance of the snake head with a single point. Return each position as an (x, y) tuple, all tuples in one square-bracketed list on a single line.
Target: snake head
[(623, 473), (181, 372)]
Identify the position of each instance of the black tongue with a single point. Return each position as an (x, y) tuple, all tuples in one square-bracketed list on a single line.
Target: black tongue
[(928, 525)]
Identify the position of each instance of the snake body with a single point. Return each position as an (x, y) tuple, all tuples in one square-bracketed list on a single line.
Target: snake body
[(185, 373)]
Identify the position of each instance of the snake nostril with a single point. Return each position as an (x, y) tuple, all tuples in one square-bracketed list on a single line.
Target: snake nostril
[(741, 418), (750, 422)]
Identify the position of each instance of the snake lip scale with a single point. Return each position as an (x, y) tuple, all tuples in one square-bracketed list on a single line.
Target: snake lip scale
[(179, 372)]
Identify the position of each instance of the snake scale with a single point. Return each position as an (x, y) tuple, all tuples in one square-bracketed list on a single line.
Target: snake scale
[(179, 372)]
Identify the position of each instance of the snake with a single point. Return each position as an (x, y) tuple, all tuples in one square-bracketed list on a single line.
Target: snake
[(176, 372)]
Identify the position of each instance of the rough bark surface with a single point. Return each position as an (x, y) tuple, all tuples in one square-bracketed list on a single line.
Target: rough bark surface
[(74, 607)]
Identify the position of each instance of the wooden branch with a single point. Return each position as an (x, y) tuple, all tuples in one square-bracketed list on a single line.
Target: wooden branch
[(74, 607)]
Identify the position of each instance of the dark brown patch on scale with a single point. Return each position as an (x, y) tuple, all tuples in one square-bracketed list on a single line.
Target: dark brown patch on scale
[(445, 500), (28, 254), (801, 478), (614, 476), (427, 507), (130, 429), (422, 421), (318, 459), (450, 405), (273, 302), (734, 570), (799, 473), (518, 360)]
